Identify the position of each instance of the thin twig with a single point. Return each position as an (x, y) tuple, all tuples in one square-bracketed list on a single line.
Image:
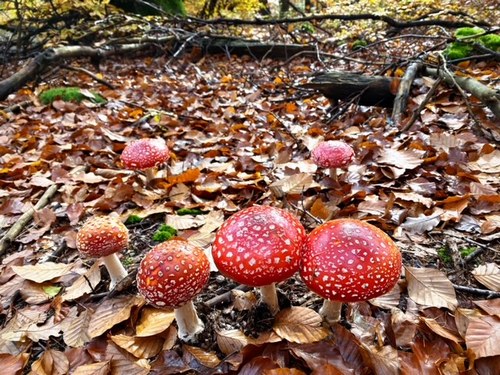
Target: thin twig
[(225, 297), (424, 102), (90, 74)]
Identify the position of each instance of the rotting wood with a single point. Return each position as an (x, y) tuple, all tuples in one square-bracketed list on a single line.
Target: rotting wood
[(25, 218), (372, 90)]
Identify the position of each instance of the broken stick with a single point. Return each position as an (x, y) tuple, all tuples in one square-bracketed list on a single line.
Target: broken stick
[(25, 218)]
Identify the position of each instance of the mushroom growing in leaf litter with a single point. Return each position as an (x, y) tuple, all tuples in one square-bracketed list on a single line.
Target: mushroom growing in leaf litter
[(145, 154), (332, 155), (348, 260), (259, 246), (103, 237), (170, 275)]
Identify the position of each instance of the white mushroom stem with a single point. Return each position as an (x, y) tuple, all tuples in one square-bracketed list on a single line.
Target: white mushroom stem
[(188, 323), (331, 311), (270, 297), (150, 174), (333, 173), (115, 269)]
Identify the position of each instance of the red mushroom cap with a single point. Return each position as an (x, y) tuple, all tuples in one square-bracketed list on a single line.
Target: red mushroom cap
[(145, 153), (102, 236), (172, 273), (348, 260), (332, 154), (259, 245)]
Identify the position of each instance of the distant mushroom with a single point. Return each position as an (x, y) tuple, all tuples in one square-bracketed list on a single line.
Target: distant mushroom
[(259, 246), (103, 237), (348, 260), (170, 275), (332, 155), (145, 154)]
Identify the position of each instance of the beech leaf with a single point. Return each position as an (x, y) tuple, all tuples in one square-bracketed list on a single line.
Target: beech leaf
[(84, 284), (422, 223), (154, 321), (111, 312), (139, 347), (207, 359), (430, 287), (299, 324), (98, 368), (489, 275), (51, 362), (43, 271), (401, 159), (483, 336)]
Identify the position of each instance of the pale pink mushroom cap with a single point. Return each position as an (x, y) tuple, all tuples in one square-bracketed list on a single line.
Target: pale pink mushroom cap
[(332, 154), (173, 273), (145, 153), (259, 245), (102, 236), (349, 260)]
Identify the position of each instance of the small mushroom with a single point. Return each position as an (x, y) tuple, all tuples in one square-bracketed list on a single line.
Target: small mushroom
[(332, 155), (348, 260), (259, 246), (103, 237), (145, 154), (170, 275)]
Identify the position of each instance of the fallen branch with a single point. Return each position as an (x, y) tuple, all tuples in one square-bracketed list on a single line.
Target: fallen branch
[(404, 91), (489, 97), (51, 56), (372, 90), (25, 218), (488, 294), (343, 17)]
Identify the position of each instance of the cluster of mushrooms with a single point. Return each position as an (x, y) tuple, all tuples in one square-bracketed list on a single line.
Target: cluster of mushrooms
[(342, 260)]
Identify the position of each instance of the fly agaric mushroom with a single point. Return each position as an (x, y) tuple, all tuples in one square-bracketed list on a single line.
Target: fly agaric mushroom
[(170, 276), (145, 154), (332, 155), (259, 246), (103, 237), (347, 260)]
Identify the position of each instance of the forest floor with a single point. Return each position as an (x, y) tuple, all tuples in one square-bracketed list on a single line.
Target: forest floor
[(241, 131)]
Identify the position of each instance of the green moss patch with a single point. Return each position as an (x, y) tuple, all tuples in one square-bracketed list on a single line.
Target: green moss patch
[(164, 233), (463, 47), (70, 94)]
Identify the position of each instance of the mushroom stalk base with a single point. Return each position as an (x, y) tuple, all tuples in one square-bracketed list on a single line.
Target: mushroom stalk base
[(188, 323), (331, 311), (115, 269), (270, 297)]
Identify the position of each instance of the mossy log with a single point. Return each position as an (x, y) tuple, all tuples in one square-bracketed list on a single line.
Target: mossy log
[(364, 90)]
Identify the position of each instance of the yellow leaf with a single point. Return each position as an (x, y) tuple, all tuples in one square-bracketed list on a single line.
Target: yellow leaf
[(154, 321)]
